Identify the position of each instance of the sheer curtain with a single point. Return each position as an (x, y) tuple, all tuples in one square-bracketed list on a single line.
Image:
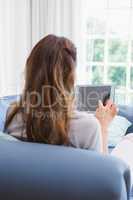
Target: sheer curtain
[(23, 23), (14, 43)]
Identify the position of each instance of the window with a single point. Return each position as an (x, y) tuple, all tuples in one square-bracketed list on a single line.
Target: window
[(109, 45)]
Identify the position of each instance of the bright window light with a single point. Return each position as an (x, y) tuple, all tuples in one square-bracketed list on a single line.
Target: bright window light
[(109, 45)]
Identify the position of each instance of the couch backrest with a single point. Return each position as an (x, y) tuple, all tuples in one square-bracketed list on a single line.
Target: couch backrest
[(126, 111), (38, 171)]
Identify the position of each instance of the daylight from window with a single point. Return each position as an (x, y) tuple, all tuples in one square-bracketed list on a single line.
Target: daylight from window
[(109, 46)]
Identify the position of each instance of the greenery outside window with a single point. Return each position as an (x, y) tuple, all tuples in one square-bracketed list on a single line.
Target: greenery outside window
[(109, 46)]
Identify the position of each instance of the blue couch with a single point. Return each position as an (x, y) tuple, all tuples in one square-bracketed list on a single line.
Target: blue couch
[(39, 171)]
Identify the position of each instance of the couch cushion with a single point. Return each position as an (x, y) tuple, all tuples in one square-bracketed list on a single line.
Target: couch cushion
[(117, 129), (126, 111), (130, 129)]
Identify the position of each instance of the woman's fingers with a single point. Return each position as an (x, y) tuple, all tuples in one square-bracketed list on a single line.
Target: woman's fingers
[(100, 104), (109, 110), (109, 103), (114, 109)]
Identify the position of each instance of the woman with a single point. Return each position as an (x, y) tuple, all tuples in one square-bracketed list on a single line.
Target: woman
[(45, 112)]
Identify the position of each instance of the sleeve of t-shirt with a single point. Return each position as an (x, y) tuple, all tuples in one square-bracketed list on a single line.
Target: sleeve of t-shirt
[(85, 132)]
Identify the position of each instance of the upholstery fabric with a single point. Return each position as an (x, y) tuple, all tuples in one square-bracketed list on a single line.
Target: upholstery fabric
[(37, 171)]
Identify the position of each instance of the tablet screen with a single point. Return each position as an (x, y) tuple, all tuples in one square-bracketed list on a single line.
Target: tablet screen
[(87, 96)]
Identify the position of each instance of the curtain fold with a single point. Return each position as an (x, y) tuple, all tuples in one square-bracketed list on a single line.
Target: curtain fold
[(14, 44), (58, 17), (23, 23)]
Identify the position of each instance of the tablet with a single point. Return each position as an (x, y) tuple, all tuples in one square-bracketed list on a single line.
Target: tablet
[(87, 96)]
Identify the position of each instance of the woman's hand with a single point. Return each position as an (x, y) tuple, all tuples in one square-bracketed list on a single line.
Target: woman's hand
[(105, 114)]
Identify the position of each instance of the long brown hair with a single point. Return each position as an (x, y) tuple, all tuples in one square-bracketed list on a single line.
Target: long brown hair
[(46, 102)]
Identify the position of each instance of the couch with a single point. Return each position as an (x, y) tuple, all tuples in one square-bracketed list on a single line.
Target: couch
[(40, 171)]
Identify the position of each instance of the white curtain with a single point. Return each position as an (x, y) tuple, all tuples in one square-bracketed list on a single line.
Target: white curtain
[(60, 17), (23, 23), (14, 43)]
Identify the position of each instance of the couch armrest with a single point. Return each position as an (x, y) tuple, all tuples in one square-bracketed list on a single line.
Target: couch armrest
[(39, 171)]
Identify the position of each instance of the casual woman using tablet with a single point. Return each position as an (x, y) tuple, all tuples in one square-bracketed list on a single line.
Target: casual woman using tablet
[(45, 112)]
